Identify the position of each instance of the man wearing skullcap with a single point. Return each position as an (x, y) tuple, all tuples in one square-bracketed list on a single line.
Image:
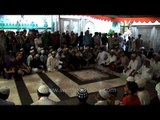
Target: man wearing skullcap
[(82, 95), (43, 96), (106, 96), (156, 99), (30, 57), (110, 62), (130, 79), (145, 72), (102, 56), (4, 94), (156, 68), (132, 67), (43, 56), (102, 97), (143, 93), (53, 63)]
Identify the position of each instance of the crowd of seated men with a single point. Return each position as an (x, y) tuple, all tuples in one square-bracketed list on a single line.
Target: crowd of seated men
[(23, 54)]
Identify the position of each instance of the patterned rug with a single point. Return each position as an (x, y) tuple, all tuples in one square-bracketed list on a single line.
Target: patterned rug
[(88, 75)]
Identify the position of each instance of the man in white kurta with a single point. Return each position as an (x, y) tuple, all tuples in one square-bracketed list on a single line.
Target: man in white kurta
[(53, 63), (30, 57), (145, 72), (111, 57), (156, 67), (142, 93), (102, 56), (132, 67), (43, 96)]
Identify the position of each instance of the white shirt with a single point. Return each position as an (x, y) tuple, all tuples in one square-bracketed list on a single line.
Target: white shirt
[(139, 59), (133, 65), (29, 59), (101, 102), (144, 97), (102, 56), (156, 68), (52, 63), (44, 101), (110, 59), (145, 72)]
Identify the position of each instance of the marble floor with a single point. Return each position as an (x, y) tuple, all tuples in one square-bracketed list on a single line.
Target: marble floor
[(62, 86)]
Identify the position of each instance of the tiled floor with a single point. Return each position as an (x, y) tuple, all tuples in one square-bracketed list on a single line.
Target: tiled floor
[(63, 88)]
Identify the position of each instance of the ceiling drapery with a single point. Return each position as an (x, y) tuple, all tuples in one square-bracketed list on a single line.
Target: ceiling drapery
[(105, 18), (137, 19), (127, 19)]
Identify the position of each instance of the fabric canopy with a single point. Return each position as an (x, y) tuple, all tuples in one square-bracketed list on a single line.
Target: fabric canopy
[(127, 19), (105, 18), (137, 19)]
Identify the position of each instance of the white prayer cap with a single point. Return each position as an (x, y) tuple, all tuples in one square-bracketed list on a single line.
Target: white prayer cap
[(21, 49), (53, 52), (4, 90), (82, 93), (42, 51), (31, 47), (141, 83), (38, 49), (50, 47), (142, 48), (130, 79), (37, 55), (157, 88), (43, 89), (113, 51), (59, 50), (31, 51), (104, 93)]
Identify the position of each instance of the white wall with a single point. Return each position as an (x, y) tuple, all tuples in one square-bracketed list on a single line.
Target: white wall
[(38, 19), (99, 25), (150, 35)]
